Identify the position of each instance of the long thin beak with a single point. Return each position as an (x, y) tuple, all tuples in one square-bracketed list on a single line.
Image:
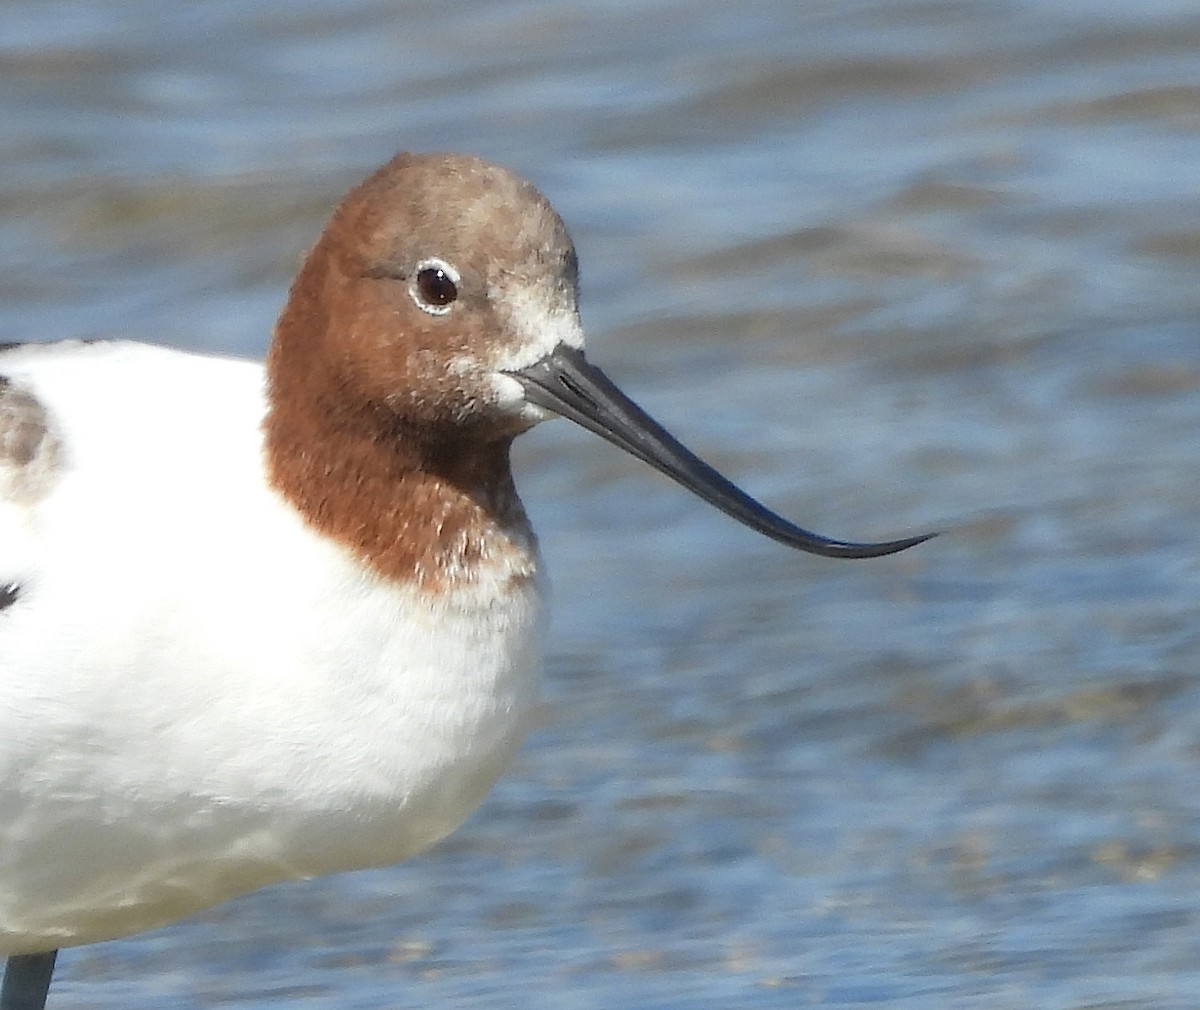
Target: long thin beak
[(565, 383)]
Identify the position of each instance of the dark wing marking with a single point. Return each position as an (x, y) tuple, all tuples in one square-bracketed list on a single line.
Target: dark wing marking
[(23, 425), (29, 449)]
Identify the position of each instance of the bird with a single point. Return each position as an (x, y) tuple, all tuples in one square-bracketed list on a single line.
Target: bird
[(267, 621)]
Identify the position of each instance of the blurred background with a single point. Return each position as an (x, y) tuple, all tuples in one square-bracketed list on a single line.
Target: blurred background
[(893, 265)]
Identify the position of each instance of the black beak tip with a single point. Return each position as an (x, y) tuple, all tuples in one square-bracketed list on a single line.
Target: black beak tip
[(880, 550)]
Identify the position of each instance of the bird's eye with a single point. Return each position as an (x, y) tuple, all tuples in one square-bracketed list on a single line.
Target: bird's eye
[(435, 286)]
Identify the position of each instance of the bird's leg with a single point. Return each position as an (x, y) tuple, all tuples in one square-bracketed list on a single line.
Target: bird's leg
[(26, 981)]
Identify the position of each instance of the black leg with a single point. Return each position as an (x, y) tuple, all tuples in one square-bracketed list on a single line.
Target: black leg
[(26, 979)]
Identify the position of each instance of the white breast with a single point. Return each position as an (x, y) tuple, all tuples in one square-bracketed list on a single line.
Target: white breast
[(197, 694)]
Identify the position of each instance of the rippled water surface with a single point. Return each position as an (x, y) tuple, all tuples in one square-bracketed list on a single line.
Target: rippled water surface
[(894, 266)]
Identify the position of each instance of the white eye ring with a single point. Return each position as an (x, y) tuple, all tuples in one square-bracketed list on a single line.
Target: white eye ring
[(434, 286)]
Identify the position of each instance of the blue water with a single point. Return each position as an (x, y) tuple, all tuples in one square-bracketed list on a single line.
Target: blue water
[(893, 266)]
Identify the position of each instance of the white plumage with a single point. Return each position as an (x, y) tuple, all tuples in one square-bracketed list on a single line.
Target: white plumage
[(199, 695)]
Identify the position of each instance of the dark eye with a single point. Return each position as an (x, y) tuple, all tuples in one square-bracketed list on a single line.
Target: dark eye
[(435, 286)]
